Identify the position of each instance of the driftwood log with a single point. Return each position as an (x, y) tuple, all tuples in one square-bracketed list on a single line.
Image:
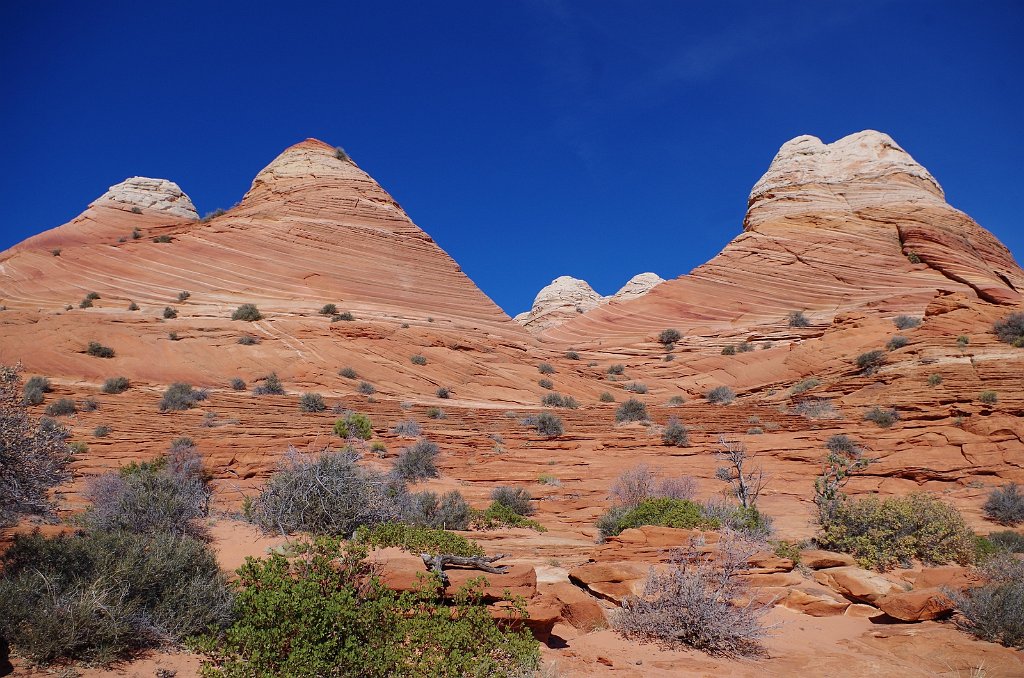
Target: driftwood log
[(440, 561)]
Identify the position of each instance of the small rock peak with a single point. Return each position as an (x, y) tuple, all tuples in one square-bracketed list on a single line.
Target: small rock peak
[(867, 156), (566, 288), (158, 196), (307, 159), (639, 285)]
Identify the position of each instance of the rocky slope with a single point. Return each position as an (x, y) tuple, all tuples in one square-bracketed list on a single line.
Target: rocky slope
[(566, 297)]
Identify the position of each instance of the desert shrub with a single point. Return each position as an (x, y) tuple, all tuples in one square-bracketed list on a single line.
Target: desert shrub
[(804, 385), (545, 368), (675, 433), (169, 495), (913, 258), (89, 405), (416, 462), (1005, 505), (720, 395), (247, 312), (631, 410), (906, 322), (606, 397), (436, 413), (745, 347), (1010, 329), (669, 337), (55, 251), (549, 479), (62, 407), (326, 614), (248, 340), (101, 431), (798, 319), (572, 355), (870, 362), (636, 387), (179, 396), (1007, 540), (173, 336), (312, 402), (962, 341), (451, 512), (366, 388), (616, 369), (988, 397), (559, 400), (417, 539), (548, 424), (842, 444), (354, 425), (546, 383), (696, 603), (35, 389), (729, 350), (668, 358), (934, 379), (33, 454), (98, 350), (897, 342), (237, 383), (99, 596), (348, 373), (409, 428), (418, 359), (115, 385), (663, 511), (328, 309), (995, 611), (271, 385), (895, 531), (345, 316), (443, 393), (675, 401), (640, 483), (183, 296), (515, 499), (883, 417), (213, 215), (132, 306), (169, 313), (328, 494), (815, 408)]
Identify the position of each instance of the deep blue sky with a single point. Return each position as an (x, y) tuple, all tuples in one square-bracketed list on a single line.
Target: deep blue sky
[(531, 139)]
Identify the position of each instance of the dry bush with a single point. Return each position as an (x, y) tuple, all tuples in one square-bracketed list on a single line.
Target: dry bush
[(995, 612), (675, 433), (631, 410), (1010, 329), (1005, 505), (408, 428), (312, 402), (700, 602), (516, 499), (33, 454), (450, 512), (641, 482), (416, 462), (720, 395)]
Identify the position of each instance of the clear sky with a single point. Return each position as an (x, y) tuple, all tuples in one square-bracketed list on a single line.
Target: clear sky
[(531, 139)]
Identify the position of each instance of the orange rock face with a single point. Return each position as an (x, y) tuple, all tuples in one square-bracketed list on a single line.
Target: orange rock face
[(852, 233)]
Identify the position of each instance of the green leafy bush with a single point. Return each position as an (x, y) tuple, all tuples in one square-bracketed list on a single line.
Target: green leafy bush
[(326, 614), (895, 531), (417, 540), (499, 515), (116, 385), (988, 397), (354, 425), (663, 511), (631, 410), (247, 312)]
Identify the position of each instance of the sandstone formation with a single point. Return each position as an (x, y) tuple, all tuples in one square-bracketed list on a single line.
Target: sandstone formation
[(152, 195), (566, 297)]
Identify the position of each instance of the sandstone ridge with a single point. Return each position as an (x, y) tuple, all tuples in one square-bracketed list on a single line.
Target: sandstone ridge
[(567, 297)]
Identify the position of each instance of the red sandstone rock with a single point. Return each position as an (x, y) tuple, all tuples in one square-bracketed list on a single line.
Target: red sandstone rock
[(818, 560), (916, 605), (856, 583)]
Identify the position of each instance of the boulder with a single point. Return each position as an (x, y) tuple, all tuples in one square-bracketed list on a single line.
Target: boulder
[(818, 560), (853, 582), (816, 601), (611, 581), (917, 605)]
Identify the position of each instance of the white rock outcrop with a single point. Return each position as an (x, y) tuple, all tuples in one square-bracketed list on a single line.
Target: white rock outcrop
[(566, 297), (149, 195)]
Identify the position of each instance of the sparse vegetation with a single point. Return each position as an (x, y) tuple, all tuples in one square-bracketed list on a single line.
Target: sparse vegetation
[(883, 417), (636, 387), (418, 359), (616, 369), (354, 425), (61, 408), (416, 538), (436, 413), (572, 355), (443, 393), (238, 384), (173, 336), (962, 341), (271, 385), (163, 239), (549, 425), (720, 395), (906, 322), (995, 612), (804, 385), (115, 385), (247, 312), (329, 309), (631, 410), (675, 433), (606, 397), (934, 379), (169, 313), (451, 512), (515, 499), (1010, 329), (35, 389), (98, 350), (312, 402), (988, 397), (545, 368), (546, 383), (416, 462), (348, 373), (132, 306), (897, 342), (248, 340), (559, 400), (408, 428), (729, 350), (179, 396), (345, 316), (669, 337), (870, 362), (101, 431), (366, 388), (798, 319), (1005, 505), (663, 511)]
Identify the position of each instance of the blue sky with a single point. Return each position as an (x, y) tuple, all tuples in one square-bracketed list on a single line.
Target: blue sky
[(531, 139)]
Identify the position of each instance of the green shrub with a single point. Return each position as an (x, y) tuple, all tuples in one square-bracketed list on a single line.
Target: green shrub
[(98, 350), (559, 400), (417, 540), (870, 362), (101, 431), (1010, 329), (247, 312), (995, 612), (116, 385), (988, 397), (354, 425), (1005, 505), (436, 413), (663, 511), (346, 316), (328, 494), (934, 379), (450, 512), (179, 396), (1007, 540), (631, 410), (62, 407), (326, 614), (163, 239), (100, 596), (312, 402), (962, 341), (906, 322), (675, 433), (169, 313), (418, 359), (804, 385), (545, 368), (416, 462), (348, 373), (499, 515), (798, 319), (669, 337), (328, 309), (882, 416), (271, 385), (895, 531), (606, 397), (720, 395)]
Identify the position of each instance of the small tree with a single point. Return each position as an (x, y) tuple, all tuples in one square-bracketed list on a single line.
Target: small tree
[(844, 458), (745, 485)]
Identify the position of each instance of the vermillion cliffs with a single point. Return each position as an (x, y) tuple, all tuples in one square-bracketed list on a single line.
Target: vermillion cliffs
[(852, 233)]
